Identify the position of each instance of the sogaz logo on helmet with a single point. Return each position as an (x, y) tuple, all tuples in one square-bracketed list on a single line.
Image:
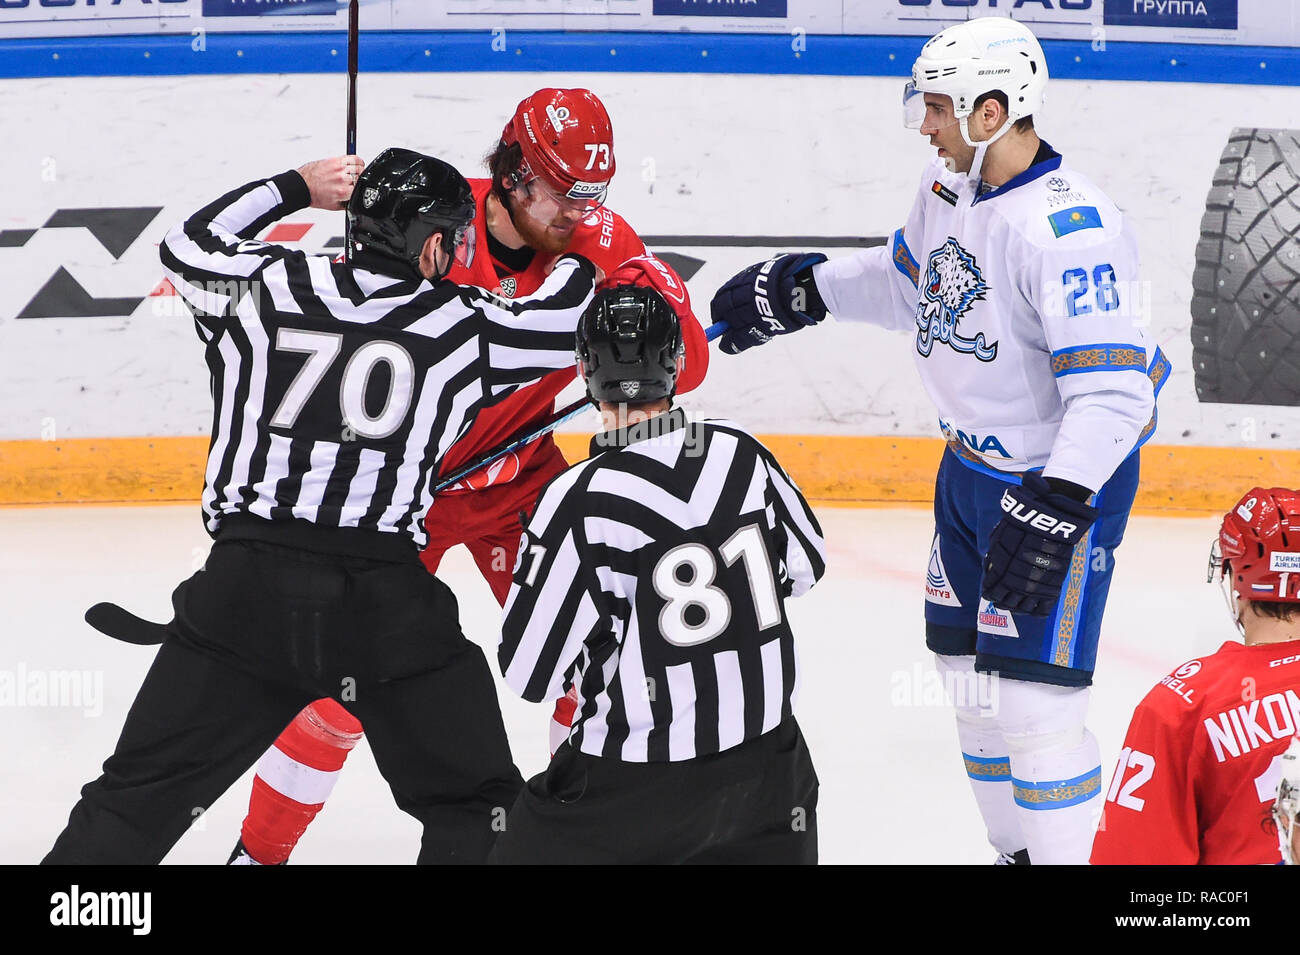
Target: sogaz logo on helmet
[(586, 190)]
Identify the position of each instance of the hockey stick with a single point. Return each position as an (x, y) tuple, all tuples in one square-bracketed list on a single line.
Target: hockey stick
[(513, 444), (120, 624), (354, 31), (546, 427)]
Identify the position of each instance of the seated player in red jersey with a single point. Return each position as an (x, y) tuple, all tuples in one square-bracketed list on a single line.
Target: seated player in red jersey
[(1204, 754), (549, 175)]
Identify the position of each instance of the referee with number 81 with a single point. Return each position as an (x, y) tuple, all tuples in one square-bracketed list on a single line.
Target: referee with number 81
[(654, 576)]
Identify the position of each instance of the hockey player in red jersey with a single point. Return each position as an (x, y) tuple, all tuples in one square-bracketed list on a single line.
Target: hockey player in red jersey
[(549, 175), (1203, 757)]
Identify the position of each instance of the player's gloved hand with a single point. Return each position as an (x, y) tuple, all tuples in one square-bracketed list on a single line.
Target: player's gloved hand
[(769, 298), (1030, 548)]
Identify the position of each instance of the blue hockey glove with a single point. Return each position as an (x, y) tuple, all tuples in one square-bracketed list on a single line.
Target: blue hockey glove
[(769, 298), (1030, 548)]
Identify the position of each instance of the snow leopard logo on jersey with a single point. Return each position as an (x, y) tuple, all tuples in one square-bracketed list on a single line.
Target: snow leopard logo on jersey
[(953, 284)]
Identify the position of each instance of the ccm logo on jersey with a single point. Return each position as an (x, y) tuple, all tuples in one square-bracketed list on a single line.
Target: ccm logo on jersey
[(1035, 519)]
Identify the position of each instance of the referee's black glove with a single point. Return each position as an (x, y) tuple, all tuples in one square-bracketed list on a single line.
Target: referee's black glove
[(1030, 548)]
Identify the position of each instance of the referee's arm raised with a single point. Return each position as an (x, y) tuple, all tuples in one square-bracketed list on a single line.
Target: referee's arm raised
[(211, 256)]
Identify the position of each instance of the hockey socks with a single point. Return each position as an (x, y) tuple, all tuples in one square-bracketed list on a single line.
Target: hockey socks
[(983, 750), (295, 777), (1055, 769)]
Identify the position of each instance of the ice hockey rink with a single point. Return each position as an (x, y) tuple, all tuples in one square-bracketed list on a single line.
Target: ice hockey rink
[(833, 163), (893, 789)]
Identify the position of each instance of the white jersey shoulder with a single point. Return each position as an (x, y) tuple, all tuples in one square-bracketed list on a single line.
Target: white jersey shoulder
[(1062, 210)]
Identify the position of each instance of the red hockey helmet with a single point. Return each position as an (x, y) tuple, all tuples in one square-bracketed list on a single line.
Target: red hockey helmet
[(1259, 545), (567, 141)]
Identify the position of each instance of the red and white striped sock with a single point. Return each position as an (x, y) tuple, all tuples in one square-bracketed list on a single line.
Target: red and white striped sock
[(295, 777)]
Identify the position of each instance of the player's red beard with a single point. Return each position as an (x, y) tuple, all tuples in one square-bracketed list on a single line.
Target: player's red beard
[(539, 235)]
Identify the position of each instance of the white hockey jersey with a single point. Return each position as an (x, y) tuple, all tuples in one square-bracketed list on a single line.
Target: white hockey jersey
[(1028, 317)]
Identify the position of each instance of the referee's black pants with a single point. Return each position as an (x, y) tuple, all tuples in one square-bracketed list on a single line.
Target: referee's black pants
[(262, 631), (753, 804)]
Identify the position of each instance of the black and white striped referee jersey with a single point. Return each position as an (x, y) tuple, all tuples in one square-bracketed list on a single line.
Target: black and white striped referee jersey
[(336, 390), (653, 575)]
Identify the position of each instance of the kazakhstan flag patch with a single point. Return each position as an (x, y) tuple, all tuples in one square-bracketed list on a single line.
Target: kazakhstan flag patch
[(1072, 220)]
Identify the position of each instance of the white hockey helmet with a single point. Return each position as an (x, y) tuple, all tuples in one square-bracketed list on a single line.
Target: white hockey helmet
[(1287, 805), (970, 59)]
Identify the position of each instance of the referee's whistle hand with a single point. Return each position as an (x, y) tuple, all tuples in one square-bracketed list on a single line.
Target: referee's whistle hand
[(331, 181)]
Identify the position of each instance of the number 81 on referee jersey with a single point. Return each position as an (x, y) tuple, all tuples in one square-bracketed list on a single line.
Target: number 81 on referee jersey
[(698, 590)]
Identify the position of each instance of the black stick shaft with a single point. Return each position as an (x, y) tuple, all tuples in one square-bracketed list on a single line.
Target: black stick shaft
[(550, 424), (354, 35), (354, 27)]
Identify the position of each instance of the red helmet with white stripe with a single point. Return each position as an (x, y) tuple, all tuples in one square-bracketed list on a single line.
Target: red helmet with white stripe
[(567, 141), (1259, 545)]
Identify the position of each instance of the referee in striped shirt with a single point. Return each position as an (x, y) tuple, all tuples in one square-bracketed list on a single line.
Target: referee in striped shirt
[(337, 388), (653, 577)]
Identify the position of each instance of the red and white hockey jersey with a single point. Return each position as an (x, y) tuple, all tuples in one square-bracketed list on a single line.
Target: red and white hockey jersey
[(1201, 762)]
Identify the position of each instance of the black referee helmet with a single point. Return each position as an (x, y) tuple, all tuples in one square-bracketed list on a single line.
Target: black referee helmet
[(629, 340), (400, 199)]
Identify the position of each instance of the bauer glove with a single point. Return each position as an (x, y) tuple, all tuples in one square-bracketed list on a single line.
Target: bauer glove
[(775, 297), (1030, 548)]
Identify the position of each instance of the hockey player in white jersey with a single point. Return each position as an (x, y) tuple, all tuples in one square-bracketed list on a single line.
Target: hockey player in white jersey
[(1018, 279)]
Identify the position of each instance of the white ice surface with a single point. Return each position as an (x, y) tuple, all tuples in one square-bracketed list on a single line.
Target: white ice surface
[(892, 785)]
